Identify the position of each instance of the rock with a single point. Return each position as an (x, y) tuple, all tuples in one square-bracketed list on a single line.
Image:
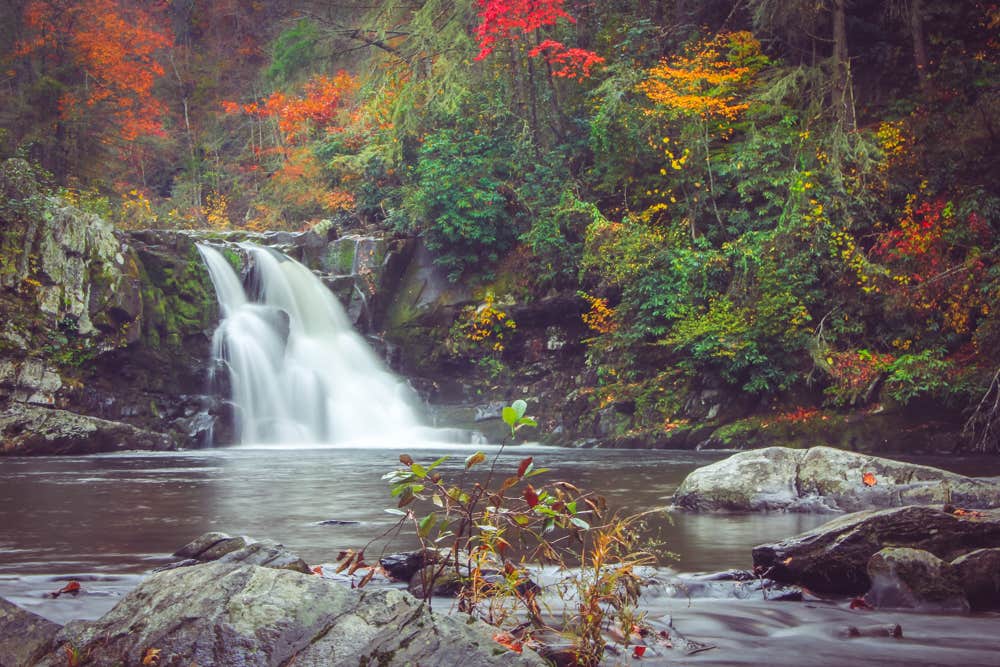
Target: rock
[(893, 630), (37, 431), (979, 573), (833, 558), (24, 637), (227, 549), (914, 579), (823, 479), (224, 614), (403, 566)]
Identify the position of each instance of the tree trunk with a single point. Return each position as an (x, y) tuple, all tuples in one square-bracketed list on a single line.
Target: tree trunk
[(919, 42), (842, 91)]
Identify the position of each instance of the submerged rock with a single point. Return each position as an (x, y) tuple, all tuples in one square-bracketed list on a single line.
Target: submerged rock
[(224, 614), (823, 479), (833, 558), (38, 431), (914, 579)]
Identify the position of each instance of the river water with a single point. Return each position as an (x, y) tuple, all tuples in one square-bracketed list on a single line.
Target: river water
[(109, 519)]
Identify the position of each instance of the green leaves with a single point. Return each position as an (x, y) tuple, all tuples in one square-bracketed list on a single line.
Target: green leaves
[(513, 416)]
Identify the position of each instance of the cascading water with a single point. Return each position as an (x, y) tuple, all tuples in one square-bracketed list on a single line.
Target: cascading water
[(298, 370)]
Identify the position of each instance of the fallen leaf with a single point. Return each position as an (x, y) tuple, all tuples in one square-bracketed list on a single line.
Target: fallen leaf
[(151, 656), (663, 638), (638, 651), (860, 603), (787, 561), (72, 587), (972, 514), (318, 570), (869, 479), (509, 641)]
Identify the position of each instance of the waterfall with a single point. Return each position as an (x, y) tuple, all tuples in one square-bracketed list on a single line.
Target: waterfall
[(298, 370)]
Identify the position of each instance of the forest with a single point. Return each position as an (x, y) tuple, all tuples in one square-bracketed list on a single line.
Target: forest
[(795, 198)]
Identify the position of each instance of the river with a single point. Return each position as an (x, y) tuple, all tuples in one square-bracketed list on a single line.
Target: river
[(109, 519)]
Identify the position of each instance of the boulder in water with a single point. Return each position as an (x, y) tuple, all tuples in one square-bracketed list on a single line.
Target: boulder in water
[(823, 479), (24, 637), (979, 572), (906, 578), (833, 558), (29, 430), (226, 614)]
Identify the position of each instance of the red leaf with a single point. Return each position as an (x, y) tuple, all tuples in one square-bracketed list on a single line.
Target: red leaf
[(638, 651), (530, 496), (860, 603), (72, 587), (869, 479), (509, 641), (318, 570), (523, 468)]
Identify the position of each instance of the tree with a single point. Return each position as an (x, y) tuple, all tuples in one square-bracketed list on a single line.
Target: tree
[(100, 59)]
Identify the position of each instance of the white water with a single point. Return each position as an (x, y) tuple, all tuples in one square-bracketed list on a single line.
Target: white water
[(299, 372)]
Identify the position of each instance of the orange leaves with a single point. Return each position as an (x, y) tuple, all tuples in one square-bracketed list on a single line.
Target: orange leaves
[(967, 514), (706, 80), (116, 45), (151, 656), (508, 641), (73, 588), (868, 479), (601, 317)]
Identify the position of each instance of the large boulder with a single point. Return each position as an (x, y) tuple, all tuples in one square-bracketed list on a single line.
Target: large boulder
[(38, 431), (221, 614), (979, 572), (24, 637), (905, 578), (823, 479), (833, 558)]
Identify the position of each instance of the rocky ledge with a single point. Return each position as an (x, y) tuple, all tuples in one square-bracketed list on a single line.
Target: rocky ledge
[(232, 612), (823, 479), (929, 558), (28, 430)]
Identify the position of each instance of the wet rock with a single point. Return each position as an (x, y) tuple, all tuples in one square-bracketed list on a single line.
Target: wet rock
[(221, 614), (225, 548), (833, 558), (36, 431), (24, 637), (893, 630), (403, 566), (914, 579), (823, 479), (979, 573)]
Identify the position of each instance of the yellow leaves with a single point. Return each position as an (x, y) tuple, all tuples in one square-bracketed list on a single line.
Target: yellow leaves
[(151, 656), (600, 317), (708, 78)]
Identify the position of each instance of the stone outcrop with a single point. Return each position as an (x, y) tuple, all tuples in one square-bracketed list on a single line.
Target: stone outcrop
[(228, 614), (228, 549), (822, 479), (29, 430), (24, 637), (833, 558), (979, 573)]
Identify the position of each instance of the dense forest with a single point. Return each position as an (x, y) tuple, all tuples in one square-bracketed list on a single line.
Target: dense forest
[(796, 198)]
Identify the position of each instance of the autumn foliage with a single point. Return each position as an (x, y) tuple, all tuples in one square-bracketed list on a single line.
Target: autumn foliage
[(113, 48), (510, 20)]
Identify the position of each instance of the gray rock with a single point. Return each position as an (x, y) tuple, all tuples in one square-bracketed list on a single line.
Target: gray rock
[(239, 550), (823, 479), (221, 614), (200, 544), (979, 573), (833, 558), (914, 579), (24, 637), (38, 431)]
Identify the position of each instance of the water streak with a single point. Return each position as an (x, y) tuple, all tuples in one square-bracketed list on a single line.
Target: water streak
[(298, 370)]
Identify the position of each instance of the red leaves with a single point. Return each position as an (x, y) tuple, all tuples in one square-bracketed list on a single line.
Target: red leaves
[(868, 479), (968, 514), (523, 468), (638, 651), (511, 19), (508, 641), (530, 496), (860, 603), (73, 588)]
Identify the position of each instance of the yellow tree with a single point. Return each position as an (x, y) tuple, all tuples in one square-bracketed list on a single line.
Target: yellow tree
[(708, 82)]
